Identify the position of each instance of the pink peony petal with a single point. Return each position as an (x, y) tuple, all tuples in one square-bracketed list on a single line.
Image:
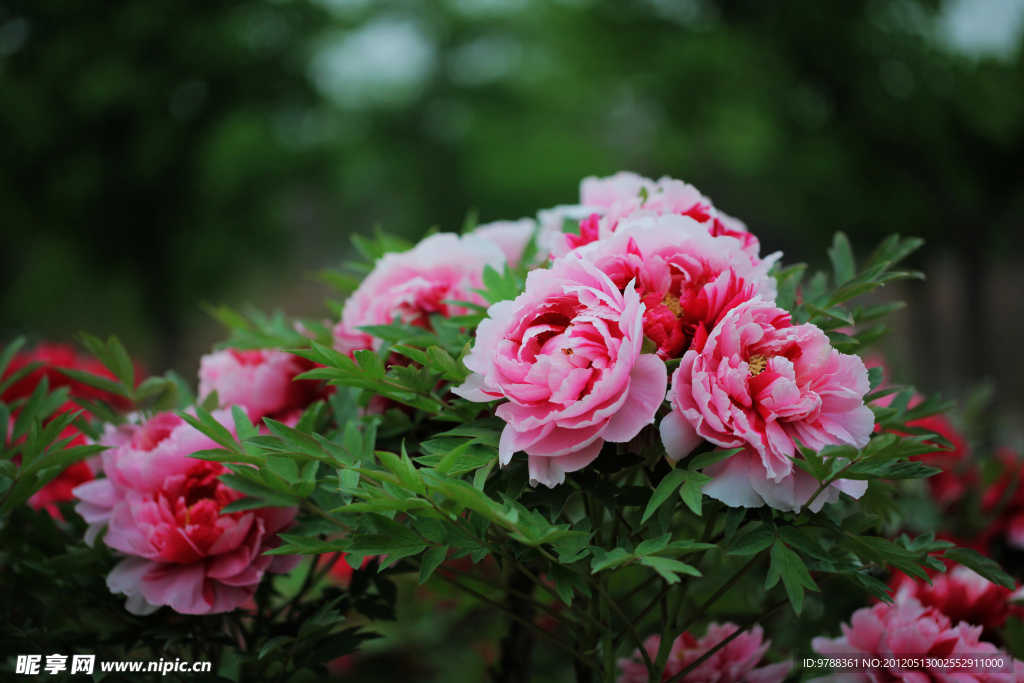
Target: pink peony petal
[(678, 436), (551, 471), (647, 383)]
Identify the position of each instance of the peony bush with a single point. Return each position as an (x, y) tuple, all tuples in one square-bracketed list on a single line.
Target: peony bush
[(644, 449)]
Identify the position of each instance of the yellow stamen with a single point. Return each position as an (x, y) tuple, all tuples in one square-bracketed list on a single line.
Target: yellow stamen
[(567, 352), (757, 364), (671, 302)]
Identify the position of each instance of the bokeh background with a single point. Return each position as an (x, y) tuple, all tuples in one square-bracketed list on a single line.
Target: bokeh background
[(158, 156)]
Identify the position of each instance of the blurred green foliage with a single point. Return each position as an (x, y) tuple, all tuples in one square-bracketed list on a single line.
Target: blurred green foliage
[(158, 156)]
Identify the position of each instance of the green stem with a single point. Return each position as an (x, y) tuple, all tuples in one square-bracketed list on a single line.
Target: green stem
[(607, 649), (686, 623), (610, 643)]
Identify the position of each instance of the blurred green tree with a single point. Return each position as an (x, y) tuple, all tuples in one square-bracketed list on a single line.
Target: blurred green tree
[(140, 169)]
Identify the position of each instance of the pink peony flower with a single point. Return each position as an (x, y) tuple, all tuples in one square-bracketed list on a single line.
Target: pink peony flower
[(908, 628), (686, 278), (163, 511), (606, 202), (759, 382), (511, 236), (416, 284), (735, 663), (566, 353), (260, 381), (962, 595)]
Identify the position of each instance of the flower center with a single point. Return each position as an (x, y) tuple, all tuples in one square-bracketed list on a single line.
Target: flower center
[(757, 364), (671, 302)]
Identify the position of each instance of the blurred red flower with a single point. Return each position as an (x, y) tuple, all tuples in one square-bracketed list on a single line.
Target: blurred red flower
[(52, 357)]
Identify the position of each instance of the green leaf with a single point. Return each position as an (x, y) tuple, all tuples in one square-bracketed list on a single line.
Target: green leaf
[(223, 455), (275, 643), (8, 353), (668, 568), (858, 522), (243, 427), (703, 460), (841, 255), (666, 488), (95, 381), (753, 542), (499, 287), (120, 363), (370, 363), (981, 565), (788, 565), (608, 560), (691, 490), (802, 541), (206, 424), (432, 559)]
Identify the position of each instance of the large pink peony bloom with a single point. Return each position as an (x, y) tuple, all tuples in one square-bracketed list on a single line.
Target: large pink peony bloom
[(566, 353), (511, 236), (260, 381), (163, 510), (416, 284), (910, 629), (760, 382), (735, 663), (687, 279), (606, 202)]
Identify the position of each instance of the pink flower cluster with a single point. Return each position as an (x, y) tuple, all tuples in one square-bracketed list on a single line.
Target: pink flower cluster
[(908, 627), (163, 511), (737, 662), (654, 263), (605, 202)]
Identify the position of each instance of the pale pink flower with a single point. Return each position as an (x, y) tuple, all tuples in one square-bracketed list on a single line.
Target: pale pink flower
[(413, 285), (606, 202), (512, 236), (908, 629), (760, 382), (262, 381), (163, 511), (566, 355), (687, 279), (737, 662)]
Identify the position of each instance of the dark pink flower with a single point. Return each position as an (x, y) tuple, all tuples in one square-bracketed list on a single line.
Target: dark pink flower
[(163, 510)]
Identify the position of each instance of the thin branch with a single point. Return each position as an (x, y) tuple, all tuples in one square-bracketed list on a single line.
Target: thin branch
[(491, 603), (686, 623), (629, 627)]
